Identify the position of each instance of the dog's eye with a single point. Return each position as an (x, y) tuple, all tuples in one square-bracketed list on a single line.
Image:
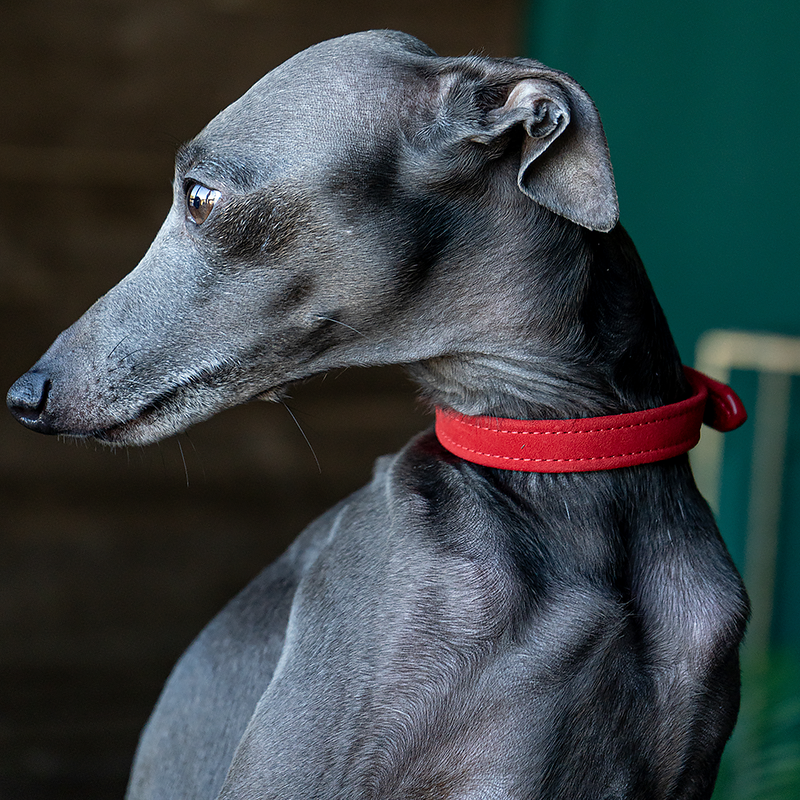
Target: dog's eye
[(199, 201)]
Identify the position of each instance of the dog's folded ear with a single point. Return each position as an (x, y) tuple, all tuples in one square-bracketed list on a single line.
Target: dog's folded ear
[(564, 161)]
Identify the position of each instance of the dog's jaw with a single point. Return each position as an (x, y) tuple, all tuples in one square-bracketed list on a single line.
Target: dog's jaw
[(173, 413), (92, 414)]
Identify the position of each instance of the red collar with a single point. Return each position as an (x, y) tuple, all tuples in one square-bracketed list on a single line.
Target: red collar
[(594, 443)]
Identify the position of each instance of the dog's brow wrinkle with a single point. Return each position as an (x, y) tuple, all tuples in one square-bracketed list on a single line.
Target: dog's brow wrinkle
[(186, 155), (232, 169), (194, 155)]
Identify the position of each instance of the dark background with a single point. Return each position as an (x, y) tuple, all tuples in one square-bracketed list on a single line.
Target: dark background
[(111, 562)]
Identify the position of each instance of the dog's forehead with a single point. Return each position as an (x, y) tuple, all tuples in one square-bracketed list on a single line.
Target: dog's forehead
[(337, 89)]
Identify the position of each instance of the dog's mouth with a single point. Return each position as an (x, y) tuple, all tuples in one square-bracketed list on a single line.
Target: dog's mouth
[(177, 409), (194, 398)]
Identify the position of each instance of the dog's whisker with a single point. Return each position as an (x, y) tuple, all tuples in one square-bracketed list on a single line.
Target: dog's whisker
[(183, 459), (130, 353), (303, 433), (343, 324), (196, 452), (114, 348)]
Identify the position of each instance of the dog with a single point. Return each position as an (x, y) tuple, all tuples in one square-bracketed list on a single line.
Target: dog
[(454, 630)]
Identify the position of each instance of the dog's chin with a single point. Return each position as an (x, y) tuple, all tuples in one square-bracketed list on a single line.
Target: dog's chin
[(172, 415), (149, 427)]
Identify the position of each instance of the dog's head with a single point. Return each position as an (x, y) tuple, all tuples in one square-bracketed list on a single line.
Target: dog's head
[(367, 202)]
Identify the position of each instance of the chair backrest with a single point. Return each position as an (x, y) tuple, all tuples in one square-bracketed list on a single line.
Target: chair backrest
[(774, 359)]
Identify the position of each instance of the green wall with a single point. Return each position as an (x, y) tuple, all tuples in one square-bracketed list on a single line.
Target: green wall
[(701, 105)]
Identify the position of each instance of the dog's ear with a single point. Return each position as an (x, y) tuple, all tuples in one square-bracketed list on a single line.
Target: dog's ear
[(564, 163)]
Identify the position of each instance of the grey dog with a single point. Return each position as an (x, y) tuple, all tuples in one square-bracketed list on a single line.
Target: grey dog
[(451, 630)]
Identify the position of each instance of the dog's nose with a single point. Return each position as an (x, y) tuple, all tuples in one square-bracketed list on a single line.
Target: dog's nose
[(27, 401)]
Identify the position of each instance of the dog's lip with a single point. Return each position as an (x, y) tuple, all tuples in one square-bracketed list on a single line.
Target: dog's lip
[(160, 408), (116, 433)]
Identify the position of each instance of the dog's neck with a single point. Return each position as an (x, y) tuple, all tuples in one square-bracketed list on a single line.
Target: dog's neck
[(611, 353)]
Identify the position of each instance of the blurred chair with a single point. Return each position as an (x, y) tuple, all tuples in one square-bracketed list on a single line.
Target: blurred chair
[(775, 359)]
